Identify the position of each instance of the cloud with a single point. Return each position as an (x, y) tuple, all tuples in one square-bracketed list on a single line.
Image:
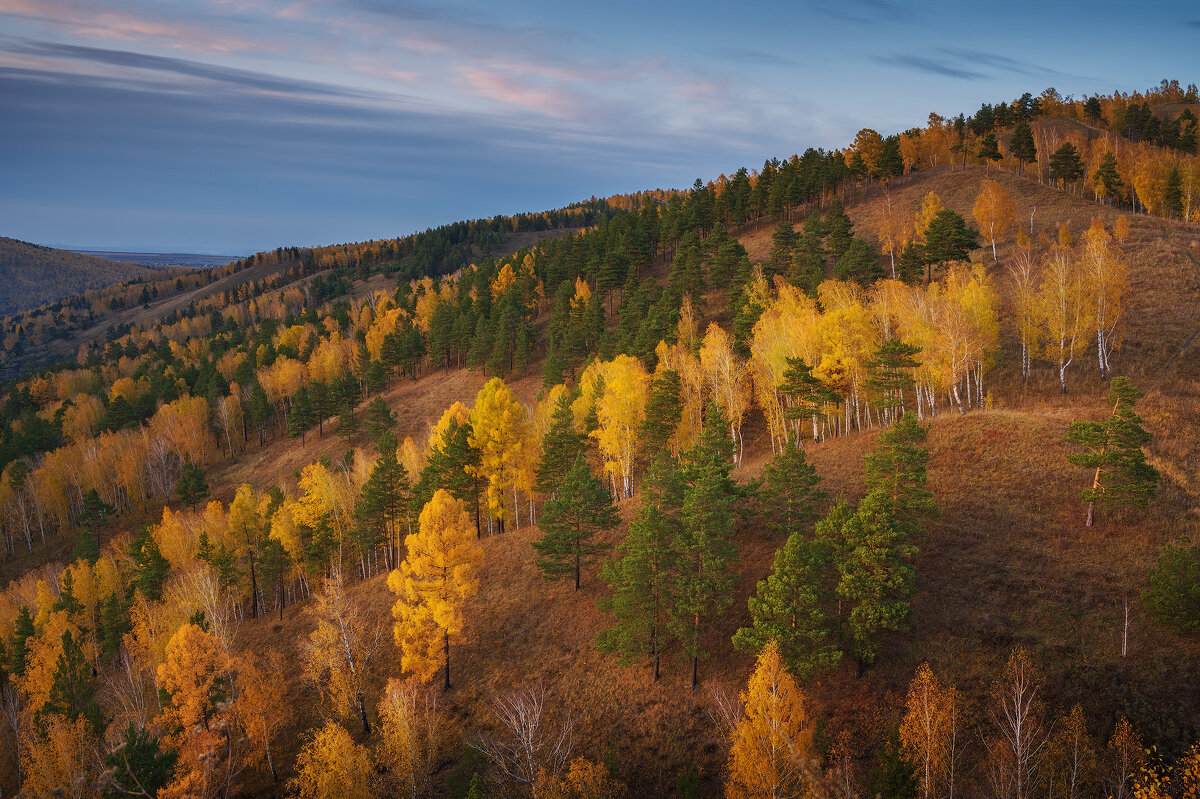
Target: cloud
[(929, 65), (1006, 64), (864, 11), (757, 57)]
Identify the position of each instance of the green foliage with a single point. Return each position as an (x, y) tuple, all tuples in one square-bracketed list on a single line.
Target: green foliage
[(570, 520), (838, 230), (949, 239), (790, 495), (989, 149), (192, 486), (664, 409), (66, 596), (892, 775), (18, 650), (688, 784), (137, 767), (115, 621), (560, 446), (1065, 164), (1173, 594), (890, 374), (302, 416), (464, 777), (1173, 193), (1114, 449), (72, 694), (1107, 177), (150, 567), (453, 465), (380, 419), (860, 263), (896, 469)]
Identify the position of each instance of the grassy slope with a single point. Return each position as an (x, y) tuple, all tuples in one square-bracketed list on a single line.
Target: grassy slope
[(1009, 562)]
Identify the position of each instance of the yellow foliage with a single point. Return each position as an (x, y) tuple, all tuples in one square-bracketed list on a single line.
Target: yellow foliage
[(432, 584), (771, 753), (58, 762), (499, 428), (929, 209), (332, 766)]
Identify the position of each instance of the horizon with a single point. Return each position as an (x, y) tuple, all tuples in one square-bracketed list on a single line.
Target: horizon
[(220, 127)]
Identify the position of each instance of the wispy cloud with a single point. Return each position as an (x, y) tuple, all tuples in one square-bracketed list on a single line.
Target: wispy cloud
[(930, 66)]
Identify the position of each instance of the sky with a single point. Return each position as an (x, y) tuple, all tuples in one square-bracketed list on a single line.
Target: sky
[(231, 126)]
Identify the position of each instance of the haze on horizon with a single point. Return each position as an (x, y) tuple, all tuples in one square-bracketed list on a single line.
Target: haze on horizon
[(238, 125)]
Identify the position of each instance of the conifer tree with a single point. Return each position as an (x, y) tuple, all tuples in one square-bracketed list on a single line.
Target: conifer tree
[(1173, 194), (808, 256), (643, 575), (302, 416), (454, 466), (72, 694), (560, 446), (192, 486), (1114, 449), (860, 263), (989, 151), (896, 468), (807, 395), (1173, 593), (664, 409), (114, 623), (137, 766), (66, 596), (383, 504), (259, 410), (1107, 179), (150, 567), (380, 420), (1022, 145), (570, 520), (838, 230), (276, 564), (322, 404), (890, 374), (92, 517), (790, 494), (790, 608), (1065, 164), (948, 239), (18, 650), (706, 548), (780, 258)]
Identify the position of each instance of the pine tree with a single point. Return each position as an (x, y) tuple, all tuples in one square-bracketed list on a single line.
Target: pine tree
[(790, 608), (560, 446), (643, 575), (380, 419), (276, 564), (838, 230), (706, 548), (664, 409), (454, 466), (138, 767), (322, 404), (780, 258), (875, 576), (897, 469), (790, 493), (1173, 594), (259, 411), (1022, 145), (807, 396), (1065, 164), (66, 596), (860, 263), (580, 509), (1107, 179), (1173, 194), (948, 239), (72, 694), (92, 518), (383, 504), (150, 567), (18, 650), (302, 416), (989, 151), (808, 257), (114, 623), (1114, 449), (192, 486), (890, 374)]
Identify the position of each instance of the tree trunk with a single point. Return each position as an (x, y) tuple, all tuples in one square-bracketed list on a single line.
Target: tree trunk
[(362, 712), (446, 644)]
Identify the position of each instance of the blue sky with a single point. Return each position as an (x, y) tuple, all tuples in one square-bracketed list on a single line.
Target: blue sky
[(229, 126)]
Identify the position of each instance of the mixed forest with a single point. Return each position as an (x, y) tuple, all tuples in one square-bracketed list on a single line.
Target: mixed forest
[(869, 472)]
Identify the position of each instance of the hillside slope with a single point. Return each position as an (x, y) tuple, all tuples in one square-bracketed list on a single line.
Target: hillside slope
[(32, 275)]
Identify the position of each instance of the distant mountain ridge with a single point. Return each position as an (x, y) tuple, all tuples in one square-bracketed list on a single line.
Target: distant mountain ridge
[(32, 275), (187, 260)]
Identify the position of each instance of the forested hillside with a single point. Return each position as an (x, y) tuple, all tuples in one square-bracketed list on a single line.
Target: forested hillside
[(31, 275), (868, 472)]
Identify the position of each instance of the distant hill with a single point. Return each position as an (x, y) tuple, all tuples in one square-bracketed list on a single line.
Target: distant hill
[(188, 260), (32, 275)]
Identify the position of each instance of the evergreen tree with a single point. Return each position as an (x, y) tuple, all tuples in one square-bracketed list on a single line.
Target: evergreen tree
[(560, 446), (192, 486), (643, 575), (138, 767), (948, 239), (377, 377), (276, 564), (790, 493), (1173, 594), (780, 258), (838, 230), (1065, 164), (72, 694), (346, 389), (890, 374), (383, 504), (1022, 145), (259, 411), (859, 263), (92, 518), (910, 267), (322, 404), (664, 409), (18, 650), (706, 548), (302, 416), (114, 623), (1108, 178), (897, 469), (989, 150), (1114, 449), (380, 420), (807, 395), (570, 520), (454, 466), (808, 257), (1173, 194), (790, 607), (66, 596), (150, 567), (876, 579)]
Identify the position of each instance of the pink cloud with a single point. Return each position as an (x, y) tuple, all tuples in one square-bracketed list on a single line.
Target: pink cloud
[(501, 86)]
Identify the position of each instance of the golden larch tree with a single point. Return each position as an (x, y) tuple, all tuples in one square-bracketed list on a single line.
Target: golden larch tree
[(499, 429), (332, 766), (728, 380), (771, 753), (995, 212), (440, 573)]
